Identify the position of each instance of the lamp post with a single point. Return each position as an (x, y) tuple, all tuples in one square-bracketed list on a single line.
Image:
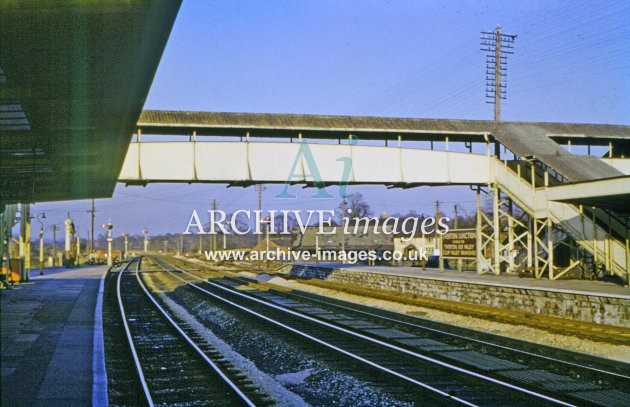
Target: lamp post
[(266, 221), (126, 237), (41, 242), (146, 239), (109, 228)]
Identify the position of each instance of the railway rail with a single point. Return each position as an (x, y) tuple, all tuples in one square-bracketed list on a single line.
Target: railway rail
[(450, 336), (453, 334), (173, 364), (459, 373)]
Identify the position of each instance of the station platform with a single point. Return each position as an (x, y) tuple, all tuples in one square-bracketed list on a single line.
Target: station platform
[(597, 302), (48, 336), (580, 287)]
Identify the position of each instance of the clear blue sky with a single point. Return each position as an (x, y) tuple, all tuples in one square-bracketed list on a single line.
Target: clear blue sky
[(382, 58)]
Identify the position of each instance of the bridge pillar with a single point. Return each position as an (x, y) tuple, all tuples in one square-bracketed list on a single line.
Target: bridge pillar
[(487, 232), (479, 234), (627, 253), (530, 244), (550, 249), (518, 237), (543, 247), (496, 226)]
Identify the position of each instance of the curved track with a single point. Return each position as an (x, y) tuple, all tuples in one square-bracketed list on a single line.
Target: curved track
[(173, 366)]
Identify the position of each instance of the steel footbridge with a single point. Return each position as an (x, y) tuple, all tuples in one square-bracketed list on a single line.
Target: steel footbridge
[(573, 208)]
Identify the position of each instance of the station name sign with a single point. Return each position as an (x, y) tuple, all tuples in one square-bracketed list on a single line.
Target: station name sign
[(459, 244)]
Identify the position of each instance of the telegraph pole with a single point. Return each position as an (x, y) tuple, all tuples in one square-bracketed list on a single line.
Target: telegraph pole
[(214, 235), (145, 232), (343, 229), (54, 228), (459, 261), (260, 189), (438, 237), (92, 211), (497, 75), (496, 44)]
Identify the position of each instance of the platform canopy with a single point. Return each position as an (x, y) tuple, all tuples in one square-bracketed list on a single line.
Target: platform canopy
[(74, 76)]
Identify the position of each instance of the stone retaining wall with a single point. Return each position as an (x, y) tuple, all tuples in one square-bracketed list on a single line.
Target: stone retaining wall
[(580, 307)]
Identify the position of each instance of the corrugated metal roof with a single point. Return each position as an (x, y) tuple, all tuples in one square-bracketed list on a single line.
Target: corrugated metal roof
[(181, 121), (530, 140)]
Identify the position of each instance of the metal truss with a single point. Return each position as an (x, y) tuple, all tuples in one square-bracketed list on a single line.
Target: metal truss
[(503, 240), (487, 231)]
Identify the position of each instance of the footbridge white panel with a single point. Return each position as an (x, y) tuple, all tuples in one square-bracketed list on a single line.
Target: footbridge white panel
[(269, 162)]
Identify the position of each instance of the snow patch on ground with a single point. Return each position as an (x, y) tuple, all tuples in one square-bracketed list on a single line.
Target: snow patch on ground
[(294, 379), (283, 282)]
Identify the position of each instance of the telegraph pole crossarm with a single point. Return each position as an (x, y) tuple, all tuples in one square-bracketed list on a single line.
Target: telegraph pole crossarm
[(496, 45)]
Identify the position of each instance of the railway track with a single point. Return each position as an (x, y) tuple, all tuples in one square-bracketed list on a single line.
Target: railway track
[(454, 373), (544, 356), (174, 365), (449, 336)]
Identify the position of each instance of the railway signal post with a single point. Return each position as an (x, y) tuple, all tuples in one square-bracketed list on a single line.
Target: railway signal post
[(109, 228)]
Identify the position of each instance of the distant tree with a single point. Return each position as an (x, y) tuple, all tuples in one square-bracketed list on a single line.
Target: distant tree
[(354, 206), (410, 214), (279, 223), (236, 240), (465, 220)]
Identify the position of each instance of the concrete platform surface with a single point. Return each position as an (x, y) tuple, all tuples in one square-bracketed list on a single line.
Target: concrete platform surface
[(584, 287), (47, 338)]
